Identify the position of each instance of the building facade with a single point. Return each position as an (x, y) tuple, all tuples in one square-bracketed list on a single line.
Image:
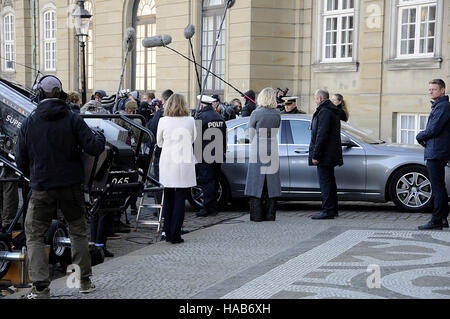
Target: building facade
[(379, 54)]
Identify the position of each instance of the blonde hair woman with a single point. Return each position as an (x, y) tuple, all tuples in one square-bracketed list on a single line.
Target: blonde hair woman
[(263, 184), (175, 136)]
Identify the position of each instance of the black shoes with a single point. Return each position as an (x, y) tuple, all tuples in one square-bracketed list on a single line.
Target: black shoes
[(108, 253), (445, 223), (205, 213), (177, 241), (121, 228), (431, 226), (322, 215)]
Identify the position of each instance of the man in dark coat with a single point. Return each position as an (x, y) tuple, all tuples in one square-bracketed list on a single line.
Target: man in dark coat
[(49, 152), (436, 140), (208, 169), (249, 106), (325, 151)]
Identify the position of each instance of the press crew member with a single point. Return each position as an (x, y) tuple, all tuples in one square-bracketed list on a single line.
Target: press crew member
[(49, 151), (208, 168), (290, 106)]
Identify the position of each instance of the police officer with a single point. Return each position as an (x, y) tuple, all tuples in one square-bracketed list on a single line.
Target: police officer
[(214, 133), (290, 106)]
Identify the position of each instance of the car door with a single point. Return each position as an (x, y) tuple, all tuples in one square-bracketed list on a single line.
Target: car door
[(237, 160), (351, 177), (303, 178)]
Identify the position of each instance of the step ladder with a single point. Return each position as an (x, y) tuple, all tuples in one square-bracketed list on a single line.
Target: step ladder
[(159, 207)]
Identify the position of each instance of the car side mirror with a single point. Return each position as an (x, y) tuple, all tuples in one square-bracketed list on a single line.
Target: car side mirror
[(347, 142)]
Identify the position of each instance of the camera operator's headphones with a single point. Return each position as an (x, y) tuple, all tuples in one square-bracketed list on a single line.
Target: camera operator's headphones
[(40, 94)]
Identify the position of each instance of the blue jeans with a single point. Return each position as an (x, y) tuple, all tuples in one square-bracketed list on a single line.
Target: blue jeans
[(328, 189), (436, 172)]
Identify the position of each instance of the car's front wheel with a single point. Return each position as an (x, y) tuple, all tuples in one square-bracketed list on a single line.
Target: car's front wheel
[(410, 189), (195, 195)]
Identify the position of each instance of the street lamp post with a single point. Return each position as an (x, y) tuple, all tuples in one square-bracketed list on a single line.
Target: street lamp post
[(81, 21)]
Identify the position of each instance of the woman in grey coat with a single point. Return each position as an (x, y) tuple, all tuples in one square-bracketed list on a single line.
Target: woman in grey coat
[(263, 184)]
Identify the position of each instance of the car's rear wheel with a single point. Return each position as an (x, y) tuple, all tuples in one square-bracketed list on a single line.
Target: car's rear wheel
[(195, 195), (410, 189)]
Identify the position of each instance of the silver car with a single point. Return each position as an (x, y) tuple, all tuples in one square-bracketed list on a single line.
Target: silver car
[(373, 171)]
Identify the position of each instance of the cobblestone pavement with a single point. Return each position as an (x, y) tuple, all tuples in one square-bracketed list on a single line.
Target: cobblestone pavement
[(370, 251)]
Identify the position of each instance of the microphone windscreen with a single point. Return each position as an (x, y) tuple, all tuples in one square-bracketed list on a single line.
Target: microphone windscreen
[(129, 41), (231, 3), (189, 31), (157, 41)]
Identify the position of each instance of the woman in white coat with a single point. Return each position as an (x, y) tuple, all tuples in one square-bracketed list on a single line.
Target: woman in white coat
[(176, 134)]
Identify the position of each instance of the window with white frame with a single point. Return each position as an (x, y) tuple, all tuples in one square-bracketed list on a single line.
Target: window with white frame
[(212, 17), (409, 125), (417, 28), (145, 59), (338, 30), (9, 40), (49, 40)]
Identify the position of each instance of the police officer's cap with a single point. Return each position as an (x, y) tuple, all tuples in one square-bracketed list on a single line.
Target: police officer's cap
[(207, 100), (290, 99)]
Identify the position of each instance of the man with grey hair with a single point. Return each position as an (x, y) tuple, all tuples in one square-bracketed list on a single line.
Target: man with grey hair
[(325, 151)]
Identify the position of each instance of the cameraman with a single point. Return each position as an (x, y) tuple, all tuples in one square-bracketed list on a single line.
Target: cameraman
[(49, 151)]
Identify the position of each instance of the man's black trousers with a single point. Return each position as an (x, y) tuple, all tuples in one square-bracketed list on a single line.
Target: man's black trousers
[(328, 189), (436, 172), (208, 180)]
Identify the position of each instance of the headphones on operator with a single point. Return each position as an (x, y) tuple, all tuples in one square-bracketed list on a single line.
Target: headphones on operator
[(40, 94)]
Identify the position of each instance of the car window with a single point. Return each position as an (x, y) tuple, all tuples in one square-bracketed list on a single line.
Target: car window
[(301, 134), (239, 135)]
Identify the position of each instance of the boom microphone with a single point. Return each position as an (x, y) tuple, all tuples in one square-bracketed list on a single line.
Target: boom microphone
[(189, 31), (230, 3), (157, 41), (129, 41)]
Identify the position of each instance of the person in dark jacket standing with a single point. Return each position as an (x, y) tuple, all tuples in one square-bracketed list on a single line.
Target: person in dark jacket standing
[(436, 140), (48, 151), (325, 151), (209, 166), (263, 184), (249, 106)]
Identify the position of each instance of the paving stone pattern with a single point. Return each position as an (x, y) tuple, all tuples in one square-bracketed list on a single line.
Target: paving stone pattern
[(294, 257)]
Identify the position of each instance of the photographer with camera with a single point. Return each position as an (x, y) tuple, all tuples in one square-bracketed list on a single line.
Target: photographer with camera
[(49, 151)]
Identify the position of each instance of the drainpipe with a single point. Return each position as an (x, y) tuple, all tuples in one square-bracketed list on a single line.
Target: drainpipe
[(33, 37)]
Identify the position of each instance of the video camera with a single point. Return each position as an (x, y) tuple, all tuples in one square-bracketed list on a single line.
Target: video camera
[(280, 95), (111, 178)]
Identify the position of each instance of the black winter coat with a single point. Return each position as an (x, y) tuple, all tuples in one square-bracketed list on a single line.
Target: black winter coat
[(50, 145), (212, 120), (249, 107), (325, 143), (436, 137), (153, 127)]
